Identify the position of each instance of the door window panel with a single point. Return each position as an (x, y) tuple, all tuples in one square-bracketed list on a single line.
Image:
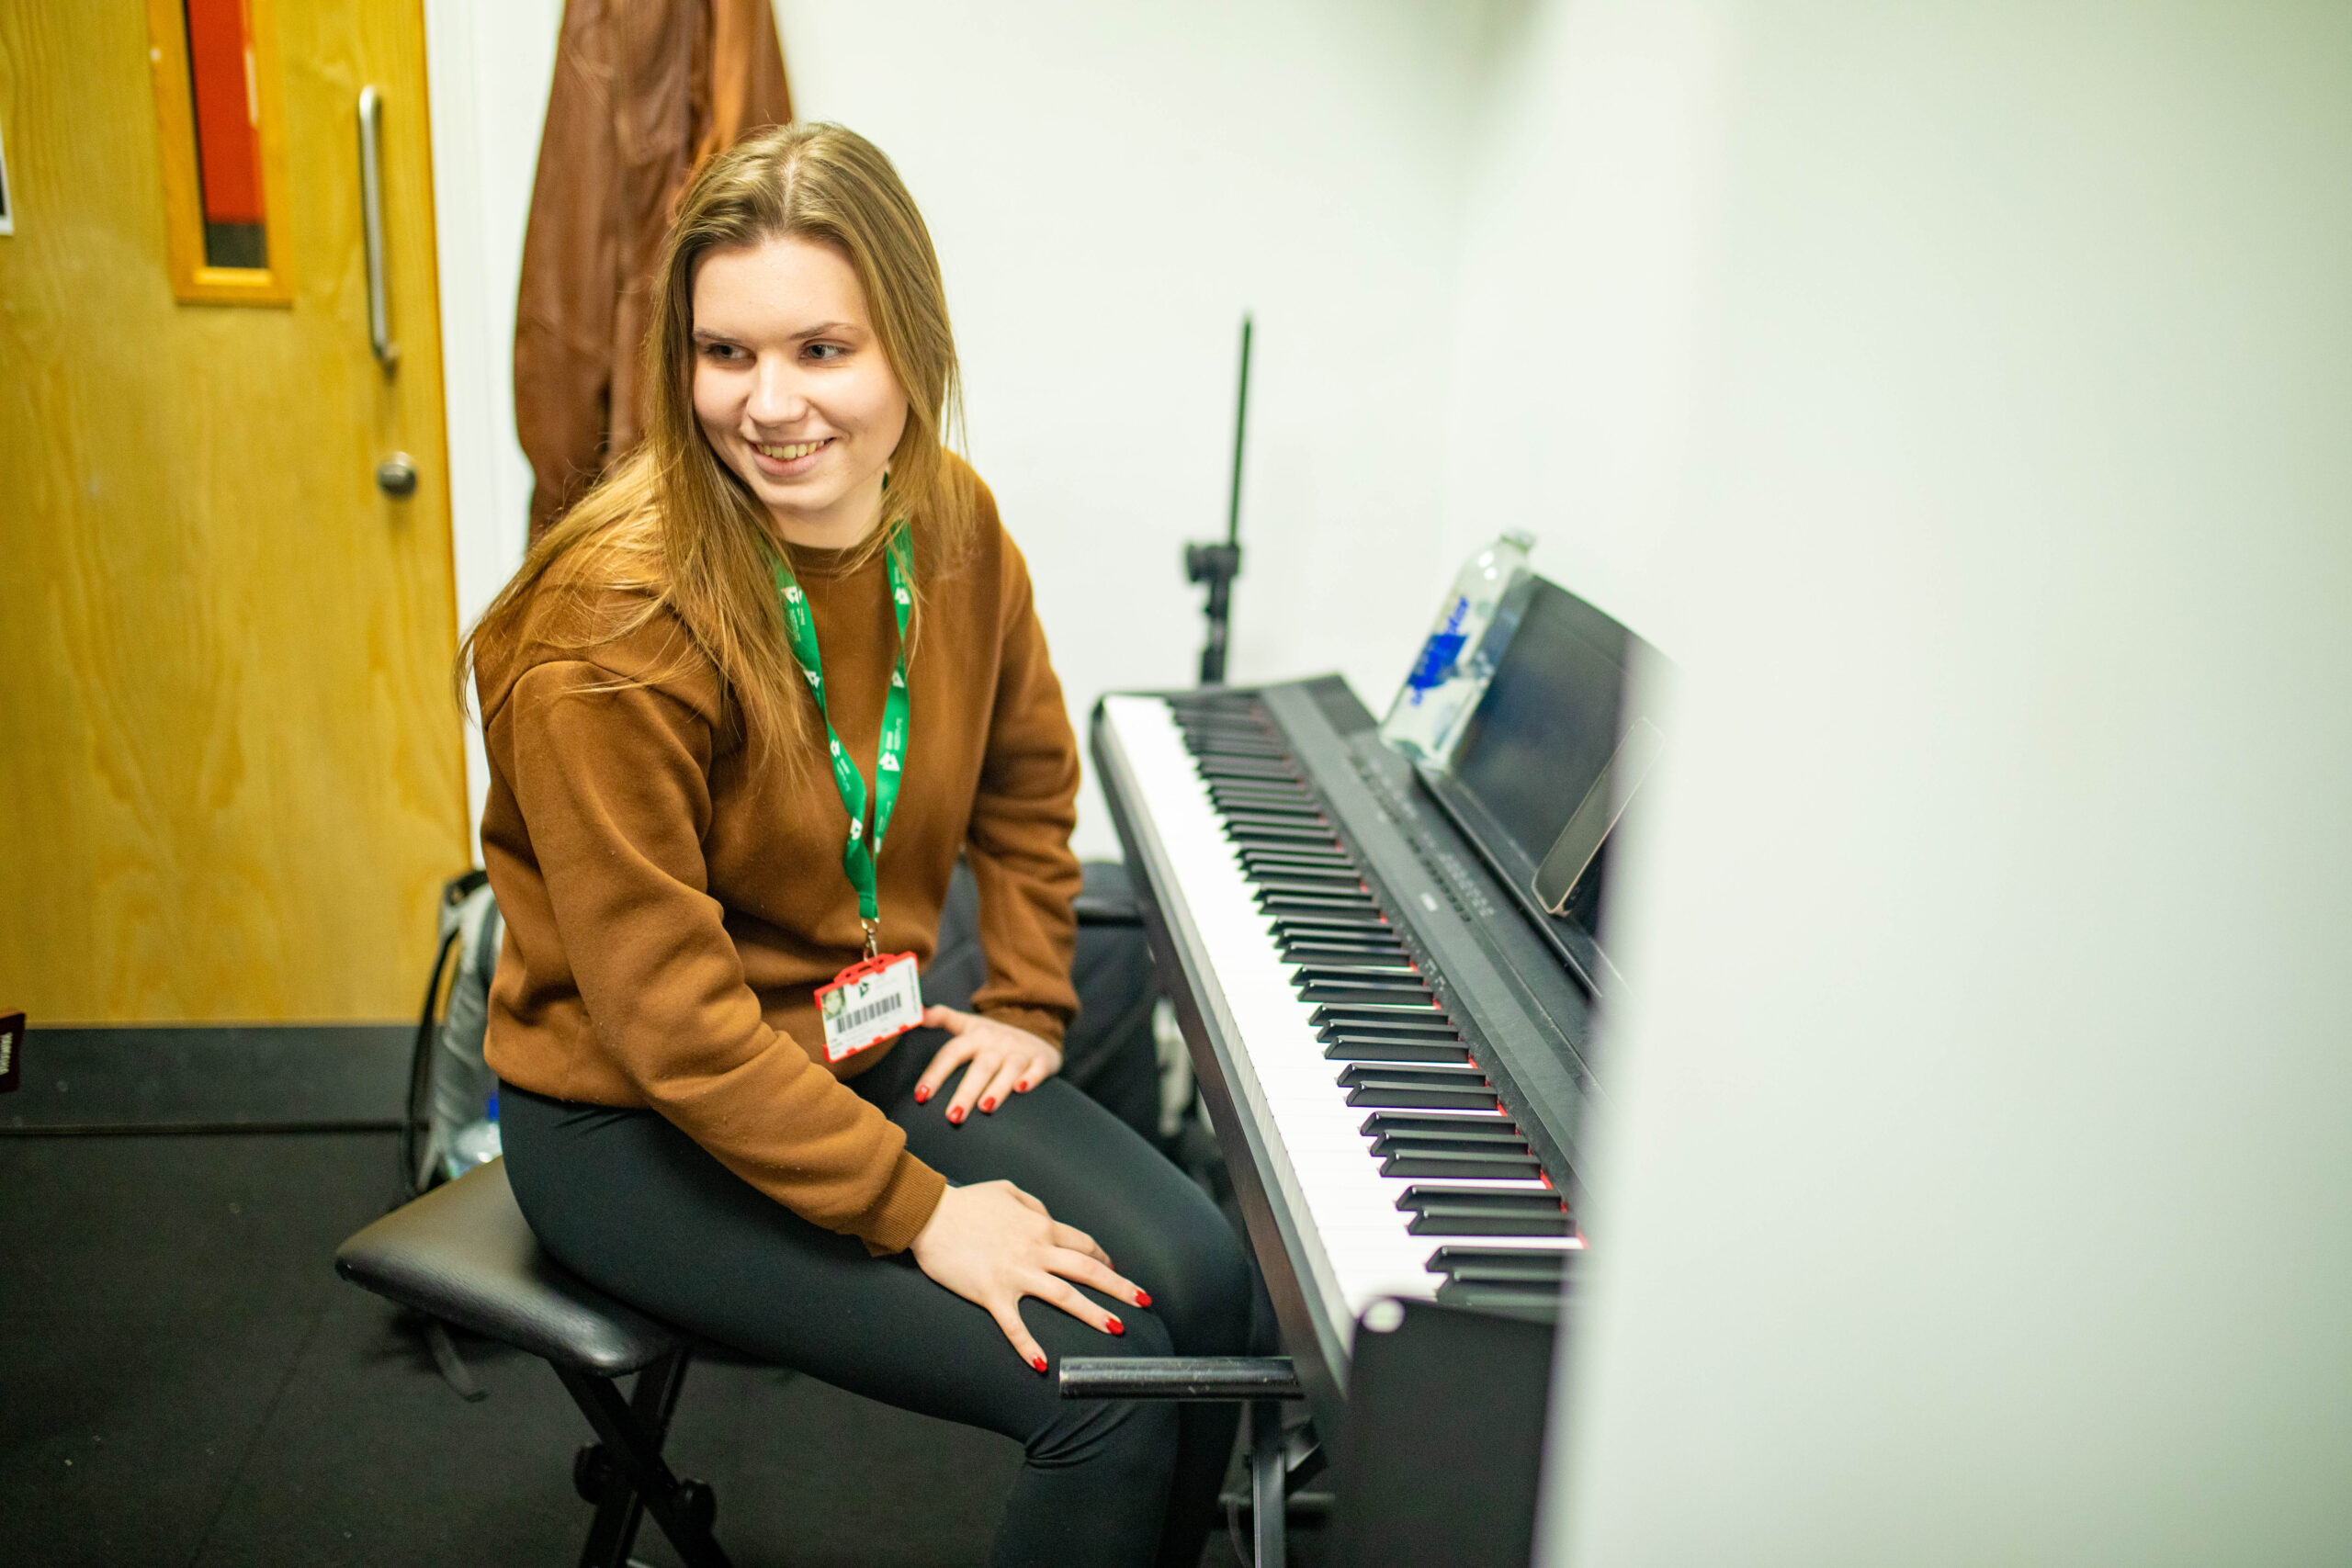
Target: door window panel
[(216, 107)]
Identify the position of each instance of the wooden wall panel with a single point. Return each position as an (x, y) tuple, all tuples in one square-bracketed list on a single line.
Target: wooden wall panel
[(230, 779)]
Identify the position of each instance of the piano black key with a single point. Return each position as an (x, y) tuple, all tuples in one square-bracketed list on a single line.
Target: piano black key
[(1431, 1051), (1308, 923), (1414, 1088), (1287, 887), (1228, 806), (1344, 1014), (1351, 939), (1503, 1265), (1301, 880), (1368, 927), (1261, 817), (1473, 1211), (1358, 940), (1332, 950), (1246, 768), (1399, 977), (1480, 1129), (1226, 800), (1435, 1077), (1335, 872), (1327, 852), (1353, 924), (1340, 950), (1338, 900), (1443, 1040), (1460, 1164), (1358, 990), (1279, 833), (1315, 877), (1434, 1028), (1517, 1301), (1279, 904), (1401, 1140), (1260, 789), (1221, 728), (1210, 743), (1399, 972)]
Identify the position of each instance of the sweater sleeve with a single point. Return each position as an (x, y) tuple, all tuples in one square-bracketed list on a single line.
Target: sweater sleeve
[(1018, 844), (614, 787)]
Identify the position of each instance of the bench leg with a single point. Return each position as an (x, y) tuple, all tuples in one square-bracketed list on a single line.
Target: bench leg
[(597, 1475), (1269, 1471), (632, 1432)]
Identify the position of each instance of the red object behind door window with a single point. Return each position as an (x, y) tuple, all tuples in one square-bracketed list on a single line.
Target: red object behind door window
[(228, 139)]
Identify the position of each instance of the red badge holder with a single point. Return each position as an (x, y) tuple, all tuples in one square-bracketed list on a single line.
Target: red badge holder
[(873, 1000)]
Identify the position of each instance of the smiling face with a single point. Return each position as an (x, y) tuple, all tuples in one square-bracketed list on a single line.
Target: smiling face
[(792, 388)]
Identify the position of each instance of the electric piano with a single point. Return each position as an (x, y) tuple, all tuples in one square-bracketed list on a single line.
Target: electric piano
[(1390, 1008)]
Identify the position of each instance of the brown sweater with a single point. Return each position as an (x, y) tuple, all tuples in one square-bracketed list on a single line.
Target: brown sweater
[(670, 908)]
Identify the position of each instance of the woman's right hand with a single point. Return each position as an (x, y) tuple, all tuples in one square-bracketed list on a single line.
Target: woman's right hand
[(993, 1244)]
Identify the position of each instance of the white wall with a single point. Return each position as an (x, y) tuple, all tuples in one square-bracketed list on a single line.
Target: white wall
[(489, 68), (1110, 188), (1593, 191), (1979, 1189)]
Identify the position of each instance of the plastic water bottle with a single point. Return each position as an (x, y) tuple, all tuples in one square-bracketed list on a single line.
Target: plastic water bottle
[(1465, 642), (476, 1142)]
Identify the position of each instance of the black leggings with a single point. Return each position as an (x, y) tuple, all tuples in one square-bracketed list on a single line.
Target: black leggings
[(635, 1206)]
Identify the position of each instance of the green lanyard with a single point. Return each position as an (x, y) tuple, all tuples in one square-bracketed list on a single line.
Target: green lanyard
[(857, 855)]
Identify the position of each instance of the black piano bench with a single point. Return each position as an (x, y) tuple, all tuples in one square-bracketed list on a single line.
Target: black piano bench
[(1260, 1382), (463, 1254)]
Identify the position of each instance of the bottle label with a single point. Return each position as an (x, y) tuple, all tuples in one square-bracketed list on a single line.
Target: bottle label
[(1438, 654)]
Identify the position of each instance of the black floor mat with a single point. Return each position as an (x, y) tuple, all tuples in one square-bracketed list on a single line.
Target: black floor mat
[(184, 1380)]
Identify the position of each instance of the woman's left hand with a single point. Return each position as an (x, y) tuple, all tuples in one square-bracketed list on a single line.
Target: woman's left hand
[(1005, 1062)]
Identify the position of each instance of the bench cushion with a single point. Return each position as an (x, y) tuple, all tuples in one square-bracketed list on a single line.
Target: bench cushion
[(464, 1253)]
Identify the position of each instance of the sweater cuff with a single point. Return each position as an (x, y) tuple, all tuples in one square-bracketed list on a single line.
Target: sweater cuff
[(1046, 1026), (895, 1219)]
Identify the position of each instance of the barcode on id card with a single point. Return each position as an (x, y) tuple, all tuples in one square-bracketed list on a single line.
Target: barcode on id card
[(858, 1018)]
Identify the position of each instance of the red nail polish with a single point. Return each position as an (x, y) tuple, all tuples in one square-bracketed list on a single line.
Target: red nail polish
[(923, 1092), (956, 1114), (1143, 1298), (988, 1104), (1116, 1326), (1020, 1087), (1038, 1362)]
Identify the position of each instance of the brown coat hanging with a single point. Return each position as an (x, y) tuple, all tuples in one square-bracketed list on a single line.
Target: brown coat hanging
[(645, 90)]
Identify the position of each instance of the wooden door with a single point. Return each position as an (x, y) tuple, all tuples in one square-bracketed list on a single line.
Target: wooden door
[(230, 773)]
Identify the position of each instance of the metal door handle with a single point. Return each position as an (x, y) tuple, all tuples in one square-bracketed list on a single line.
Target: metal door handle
[(371, 223)]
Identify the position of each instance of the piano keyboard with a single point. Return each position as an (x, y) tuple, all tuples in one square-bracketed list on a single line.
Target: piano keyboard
[(1413, 1180)]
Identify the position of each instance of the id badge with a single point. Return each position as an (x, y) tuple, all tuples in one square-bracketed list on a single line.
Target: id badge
[(873, 1000)]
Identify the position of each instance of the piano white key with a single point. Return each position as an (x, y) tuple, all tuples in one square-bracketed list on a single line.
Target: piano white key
[(1348, 1205)]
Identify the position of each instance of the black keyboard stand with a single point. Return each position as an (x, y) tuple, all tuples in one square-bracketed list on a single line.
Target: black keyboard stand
[(1262, 1383)]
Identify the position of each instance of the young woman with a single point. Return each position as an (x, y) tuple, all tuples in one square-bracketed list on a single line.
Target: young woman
[(745, 706)]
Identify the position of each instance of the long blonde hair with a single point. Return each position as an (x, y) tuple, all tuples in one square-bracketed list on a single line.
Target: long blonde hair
[(674, 529)]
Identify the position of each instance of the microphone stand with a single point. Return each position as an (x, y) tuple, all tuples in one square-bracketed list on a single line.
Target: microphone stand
[(1214, 564)]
